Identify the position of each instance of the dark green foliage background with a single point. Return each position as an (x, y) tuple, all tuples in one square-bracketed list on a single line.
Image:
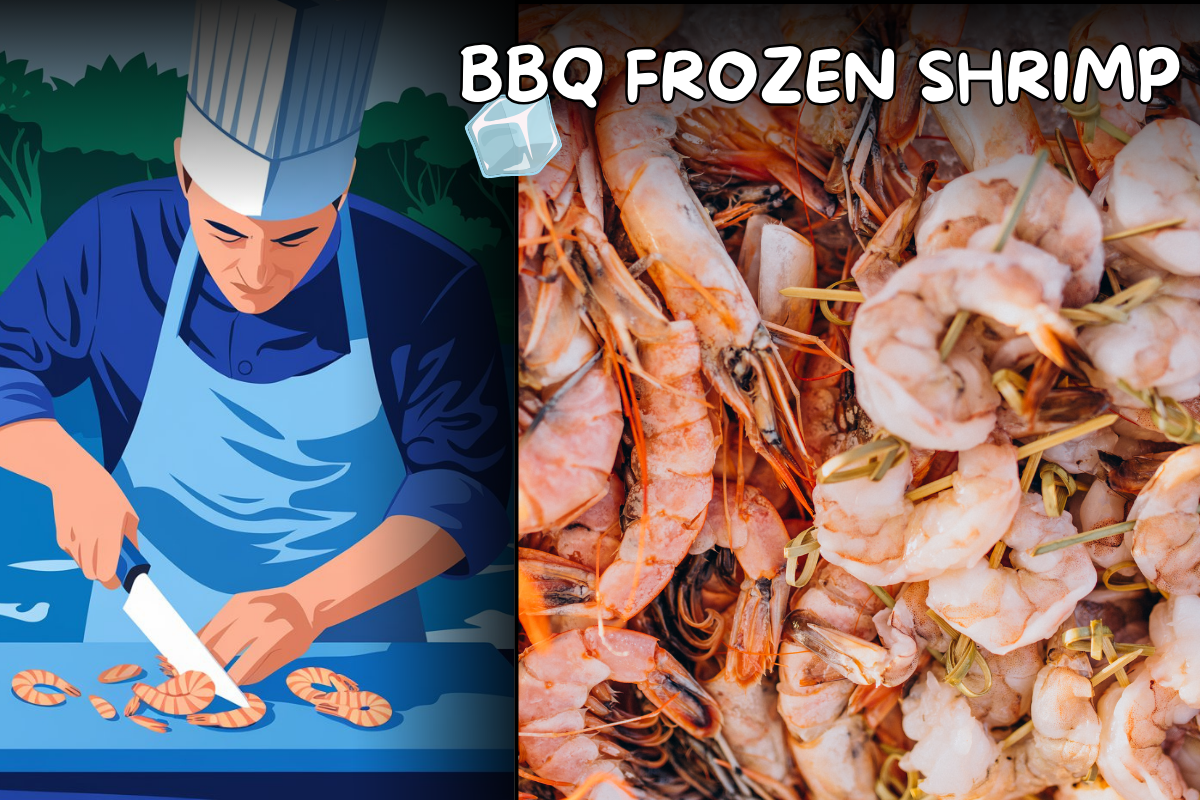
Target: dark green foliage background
[(61, 144)]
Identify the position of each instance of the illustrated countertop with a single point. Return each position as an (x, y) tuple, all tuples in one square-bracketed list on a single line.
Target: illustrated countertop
[(453, 710)]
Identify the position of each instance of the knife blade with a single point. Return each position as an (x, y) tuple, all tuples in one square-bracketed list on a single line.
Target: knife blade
[(166, 630)]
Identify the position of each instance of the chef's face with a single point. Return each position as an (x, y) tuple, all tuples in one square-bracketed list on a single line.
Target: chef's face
[(255, 262)]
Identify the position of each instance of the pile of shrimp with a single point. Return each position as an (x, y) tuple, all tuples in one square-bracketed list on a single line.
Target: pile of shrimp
[(851, 473)]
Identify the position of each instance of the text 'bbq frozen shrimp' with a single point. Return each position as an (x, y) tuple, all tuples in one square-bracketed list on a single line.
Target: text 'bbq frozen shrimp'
[(555, 678), (1057, 217), (870, 529), (1156, 178), (695, 274), (902, 381), (1007, 607), (1165, 540), (1164, 693)]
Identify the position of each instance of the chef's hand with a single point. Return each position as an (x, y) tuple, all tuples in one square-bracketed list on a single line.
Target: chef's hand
[(271, 627), (92, 517)]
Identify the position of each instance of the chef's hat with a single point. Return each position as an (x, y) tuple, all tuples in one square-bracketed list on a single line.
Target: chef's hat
[(275, 101)]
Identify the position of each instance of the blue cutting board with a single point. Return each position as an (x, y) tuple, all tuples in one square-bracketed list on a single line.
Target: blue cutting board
[(453, 711)]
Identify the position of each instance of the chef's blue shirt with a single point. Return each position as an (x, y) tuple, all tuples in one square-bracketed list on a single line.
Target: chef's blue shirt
[(90, 304)]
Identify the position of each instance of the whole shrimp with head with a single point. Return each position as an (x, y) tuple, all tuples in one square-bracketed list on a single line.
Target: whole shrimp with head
[(903, 382), (1165, 540), (1164, 693), (554, 680), (695, 274)]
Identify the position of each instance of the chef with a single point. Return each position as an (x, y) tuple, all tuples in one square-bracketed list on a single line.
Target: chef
[(300, 392)]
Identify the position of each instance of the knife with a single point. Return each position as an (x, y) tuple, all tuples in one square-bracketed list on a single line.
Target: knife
[(165, 629)]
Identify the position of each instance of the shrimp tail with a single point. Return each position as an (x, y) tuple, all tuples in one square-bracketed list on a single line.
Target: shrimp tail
[(1056, 341), (673, 689), (553, 584), (834, 648), (757, 626)]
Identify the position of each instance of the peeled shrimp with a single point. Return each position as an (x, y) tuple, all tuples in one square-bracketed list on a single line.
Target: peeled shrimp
[(1066, 729), (954, 751), (1102, 507), (1165, 692), (1008, 607), (903, 383), (874, 532), (751, 724), (240, 717), (1154, 179), (1057, 217), (1165, 541), (555, 677), (695, 274), (757, 537), (24, 681)]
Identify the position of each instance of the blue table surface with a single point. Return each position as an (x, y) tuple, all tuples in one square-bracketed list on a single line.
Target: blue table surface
[(453, 711)]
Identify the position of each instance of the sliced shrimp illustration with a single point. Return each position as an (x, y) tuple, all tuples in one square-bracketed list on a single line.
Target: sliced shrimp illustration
[(238, 717), (121, 672), (555, 678), (23, 684), (150, 724), (103, 707)]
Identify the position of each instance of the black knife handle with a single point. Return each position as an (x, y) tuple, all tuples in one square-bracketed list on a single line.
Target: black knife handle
[(130, 564)]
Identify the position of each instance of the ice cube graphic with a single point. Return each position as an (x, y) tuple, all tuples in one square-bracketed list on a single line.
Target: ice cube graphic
[(513, 138)]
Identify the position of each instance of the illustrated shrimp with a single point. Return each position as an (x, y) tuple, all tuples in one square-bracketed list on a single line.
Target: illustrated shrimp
[(1165, 540), (695, 274), (1057, 217), (24, 681), (902, 381), (757, 536), (1164, 692), (103, 707), (365, 709), (132, 707), (1008, 607), (239, 717), (301, 681), (185, 694), (1153, 180), (875, 533), (121, 672), (150, 724), (554, 679)]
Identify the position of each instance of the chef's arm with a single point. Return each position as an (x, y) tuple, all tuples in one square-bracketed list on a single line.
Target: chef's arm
[(401, 554)]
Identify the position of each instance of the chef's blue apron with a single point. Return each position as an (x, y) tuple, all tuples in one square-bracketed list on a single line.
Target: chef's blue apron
[(246, 486)]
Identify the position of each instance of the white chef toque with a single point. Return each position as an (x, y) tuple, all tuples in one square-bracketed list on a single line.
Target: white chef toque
[(275, 101)]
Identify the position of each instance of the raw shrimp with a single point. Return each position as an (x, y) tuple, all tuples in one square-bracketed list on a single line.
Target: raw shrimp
[(103, 707), (1057, 217), (593, 538), (301, 681), (1165, 540), (186, 694), (1008, 607), (365, 709), (695, 274), (24, 681), (751, 724), (610, 30), (238, 717), (903, 383), (555, 678), (876, 533), (1165, 692), (1154, 179), (121, 672), (150, 724), (757, 537), (566, 457)]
